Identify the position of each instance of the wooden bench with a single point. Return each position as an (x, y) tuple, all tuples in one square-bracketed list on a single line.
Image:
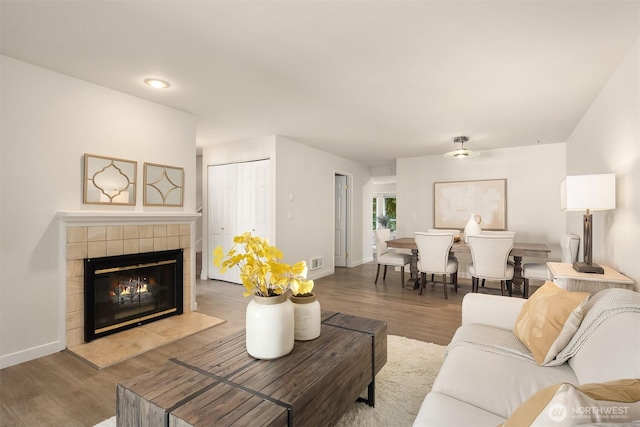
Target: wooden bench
[(222, 385)]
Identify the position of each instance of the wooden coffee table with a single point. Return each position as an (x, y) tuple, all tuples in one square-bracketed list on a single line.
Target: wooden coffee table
[(222, 385)]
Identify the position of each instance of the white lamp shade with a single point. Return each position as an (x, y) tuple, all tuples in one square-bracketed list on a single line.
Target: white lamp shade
[(593, 192)]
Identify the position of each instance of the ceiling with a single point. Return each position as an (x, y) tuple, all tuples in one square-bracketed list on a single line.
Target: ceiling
[(371, 81)]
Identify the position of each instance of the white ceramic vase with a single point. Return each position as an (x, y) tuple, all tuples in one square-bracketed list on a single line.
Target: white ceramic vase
[(306, 311), (269, 327), (473, 227)]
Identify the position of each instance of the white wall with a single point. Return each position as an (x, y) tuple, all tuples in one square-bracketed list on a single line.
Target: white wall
[(308, 175), (49, 121), (384, 188), (607, 140), (198, 204), (533, 175)]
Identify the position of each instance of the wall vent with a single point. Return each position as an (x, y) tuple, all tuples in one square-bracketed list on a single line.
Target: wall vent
[(316, 263)]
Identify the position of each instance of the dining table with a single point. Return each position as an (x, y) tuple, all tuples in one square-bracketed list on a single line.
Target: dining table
[(519, 250)]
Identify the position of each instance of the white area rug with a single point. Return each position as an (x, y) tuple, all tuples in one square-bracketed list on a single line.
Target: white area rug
[(401, 386)]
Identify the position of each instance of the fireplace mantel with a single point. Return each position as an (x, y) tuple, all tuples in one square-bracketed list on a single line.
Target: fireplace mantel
[(109, 218)]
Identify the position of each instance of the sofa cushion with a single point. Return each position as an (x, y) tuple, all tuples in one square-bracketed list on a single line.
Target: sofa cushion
[(549, 319), (566, 404), (495, 382), (441, 410)]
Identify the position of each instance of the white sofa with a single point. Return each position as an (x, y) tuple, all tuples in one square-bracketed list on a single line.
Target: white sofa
[(476, 387)]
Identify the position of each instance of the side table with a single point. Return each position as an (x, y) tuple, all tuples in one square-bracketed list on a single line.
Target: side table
[(566, 277)]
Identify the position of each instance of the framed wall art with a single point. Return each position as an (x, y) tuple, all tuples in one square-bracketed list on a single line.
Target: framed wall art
[(109, 181), (454, 202), (163, 185)]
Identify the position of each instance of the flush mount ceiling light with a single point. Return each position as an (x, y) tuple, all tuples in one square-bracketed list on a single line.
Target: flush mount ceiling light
[(157, 83), (461, 152)]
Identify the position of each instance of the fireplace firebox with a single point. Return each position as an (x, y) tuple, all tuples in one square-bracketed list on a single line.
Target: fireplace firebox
[(126, 291)]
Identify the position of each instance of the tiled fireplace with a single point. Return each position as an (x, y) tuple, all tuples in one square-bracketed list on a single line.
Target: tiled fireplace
[(86, 237)]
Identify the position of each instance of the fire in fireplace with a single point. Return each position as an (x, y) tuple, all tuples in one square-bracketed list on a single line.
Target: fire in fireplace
[(126, 291)]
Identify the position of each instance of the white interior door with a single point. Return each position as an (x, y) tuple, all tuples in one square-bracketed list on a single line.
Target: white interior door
[(340, 237), (222, 216), (238, 202), (253, 198)]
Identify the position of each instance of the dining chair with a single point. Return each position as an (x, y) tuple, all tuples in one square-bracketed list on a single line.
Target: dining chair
[(456, 234), (433, 258), (389, 258), (454, 231), (490, 256), (497, 233), (569, 245)]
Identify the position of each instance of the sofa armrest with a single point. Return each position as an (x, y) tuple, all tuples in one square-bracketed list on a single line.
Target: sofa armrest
[(491, 310)]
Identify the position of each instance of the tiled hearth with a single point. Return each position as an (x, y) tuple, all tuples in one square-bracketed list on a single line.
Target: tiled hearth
[(91, 237)]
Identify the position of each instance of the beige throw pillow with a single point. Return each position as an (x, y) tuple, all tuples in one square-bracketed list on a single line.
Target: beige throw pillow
[(548, 320), (567, 405)]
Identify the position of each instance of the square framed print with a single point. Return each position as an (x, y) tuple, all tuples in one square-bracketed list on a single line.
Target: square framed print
[(109, 181), (163, 185)]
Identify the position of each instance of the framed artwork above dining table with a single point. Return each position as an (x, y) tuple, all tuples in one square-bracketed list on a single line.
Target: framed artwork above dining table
[(454, 202)]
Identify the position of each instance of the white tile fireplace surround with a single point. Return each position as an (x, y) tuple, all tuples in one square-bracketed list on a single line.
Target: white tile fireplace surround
[(99, 234)]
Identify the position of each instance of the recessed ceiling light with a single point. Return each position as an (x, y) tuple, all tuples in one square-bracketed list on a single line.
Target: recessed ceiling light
[(157, 83)]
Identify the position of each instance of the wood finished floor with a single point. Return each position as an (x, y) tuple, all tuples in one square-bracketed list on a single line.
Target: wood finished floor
[(62, 390)]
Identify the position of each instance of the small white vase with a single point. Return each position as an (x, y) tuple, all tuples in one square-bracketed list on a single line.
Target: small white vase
[(306, 311), (473, 227), (269, 327)]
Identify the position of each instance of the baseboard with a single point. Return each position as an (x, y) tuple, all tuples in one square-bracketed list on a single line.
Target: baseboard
[(362, 261), (31, 354), (321, 272)]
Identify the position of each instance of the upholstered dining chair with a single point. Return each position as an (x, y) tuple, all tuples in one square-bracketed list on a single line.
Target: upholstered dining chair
[(490, 256), (433, 258), (456, 233), (388, 258), (569, 245), (497, 233)]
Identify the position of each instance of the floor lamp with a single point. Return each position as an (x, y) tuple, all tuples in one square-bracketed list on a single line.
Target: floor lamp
[(588, 193)]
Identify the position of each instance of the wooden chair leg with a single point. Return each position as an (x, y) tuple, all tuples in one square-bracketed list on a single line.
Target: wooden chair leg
[(483, 283), (402, 276), (473, 284), (377, 274), (444, 284), (525, 289), (510, 287), (384, 275), (502, 287), (423, 279), (455, 281)]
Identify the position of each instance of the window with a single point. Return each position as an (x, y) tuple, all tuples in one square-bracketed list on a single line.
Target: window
[(384, 211)]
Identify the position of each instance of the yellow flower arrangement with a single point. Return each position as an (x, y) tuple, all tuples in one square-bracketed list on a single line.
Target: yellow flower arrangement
[(261, 271)]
